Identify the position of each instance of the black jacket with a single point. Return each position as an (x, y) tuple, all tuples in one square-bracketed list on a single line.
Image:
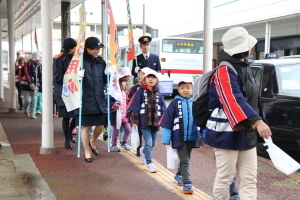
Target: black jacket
[(94, 80), (152, 62), (60, 66)]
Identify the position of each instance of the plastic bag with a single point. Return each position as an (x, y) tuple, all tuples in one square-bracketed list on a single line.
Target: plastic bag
[(282, 161), (172, 158), (119, 119), (135, 138)]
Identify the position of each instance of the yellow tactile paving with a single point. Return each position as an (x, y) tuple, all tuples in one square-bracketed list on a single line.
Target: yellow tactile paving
[(164, 177)]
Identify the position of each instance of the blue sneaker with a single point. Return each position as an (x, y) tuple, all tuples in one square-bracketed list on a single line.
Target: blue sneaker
[(179, 180), (187, 188), (115, 149)]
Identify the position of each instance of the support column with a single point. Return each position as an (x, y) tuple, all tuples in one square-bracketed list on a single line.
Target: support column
[(47, 119), (65, 21), (104, 29), (12, 55), (1, 66), (208, 37), (267, 37)]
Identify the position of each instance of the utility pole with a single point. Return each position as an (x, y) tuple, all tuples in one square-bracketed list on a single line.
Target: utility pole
[(144, 27)]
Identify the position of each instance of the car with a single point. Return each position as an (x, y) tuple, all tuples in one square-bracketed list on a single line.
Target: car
[(279, 83)]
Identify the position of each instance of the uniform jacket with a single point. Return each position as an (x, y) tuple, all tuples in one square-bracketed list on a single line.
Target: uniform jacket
[(32, 75), (152, 62), (179, 127), (132, 91), (233, 104), (94, 80), (60, 66), (137, 105)]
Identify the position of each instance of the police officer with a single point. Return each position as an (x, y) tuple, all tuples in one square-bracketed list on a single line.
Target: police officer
[(145, 59)]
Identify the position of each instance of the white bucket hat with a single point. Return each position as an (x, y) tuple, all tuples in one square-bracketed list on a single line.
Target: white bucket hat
[(36, 56), (237, 40)]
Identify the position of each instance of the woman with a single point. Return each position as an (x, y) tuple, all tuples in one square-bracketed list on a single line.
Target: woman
[(234, 123), (94, 107), (60, 66), (20, 63)]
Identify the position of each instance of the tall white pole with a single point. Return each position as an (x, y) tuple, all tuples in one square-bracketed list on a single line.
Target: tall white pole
[(267, 37), (11, 46), (208, 36), (1, 67), (47, 120), (144, 27)]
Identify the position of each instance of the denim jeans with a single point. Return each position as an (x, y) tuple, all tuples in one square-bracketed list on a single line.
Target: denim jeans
[(30, 100), (149, 134)]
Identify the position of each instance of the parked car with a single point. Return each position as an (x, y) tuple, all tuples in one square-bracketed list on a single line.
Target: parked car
[(279, 81)]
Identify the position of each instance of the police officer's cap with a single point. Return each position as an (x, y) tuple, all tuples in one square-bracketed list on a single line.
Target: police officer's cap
[(145, 39), (93, 42)]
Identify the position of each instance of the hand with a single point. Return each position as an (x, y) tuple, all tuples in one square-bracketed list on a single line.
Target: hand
[(136, 69), (80, 73), (263, 130), (133, 125), (115, 106), (32, 88)]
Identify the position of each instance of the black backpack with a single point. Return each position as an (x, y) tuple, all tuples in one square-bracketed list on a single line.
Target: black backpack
[(201, 113)]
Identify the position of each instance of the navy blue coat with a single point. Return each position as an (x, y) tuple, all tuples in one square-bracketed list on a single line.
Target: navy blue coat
[(60, 66), (152, 62), (94, 80)]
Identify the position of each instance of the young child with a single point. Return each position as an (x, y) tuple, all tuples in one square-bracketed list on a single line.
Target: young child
[(179, 127), (147, 106), (125, 121), (131, 92)]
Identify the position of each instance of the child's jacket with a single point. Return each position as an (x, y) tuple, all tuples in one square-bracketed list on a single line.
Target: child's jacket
[(178, 123)]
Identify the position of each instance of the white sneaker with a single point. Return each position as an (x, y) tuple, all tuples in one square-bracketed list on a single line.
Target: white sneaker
[(143, 159), (38, 113), (26, 112), (32, 117), (151, 168)]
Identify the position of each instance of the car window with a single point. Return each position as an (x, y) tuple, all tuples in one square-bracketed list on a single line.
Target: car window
[(263, 79), (289, 79)]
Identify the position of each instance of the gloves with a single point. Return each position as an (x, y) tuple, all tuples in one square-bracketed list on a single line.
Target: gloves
[(136, 69), (81, 73)]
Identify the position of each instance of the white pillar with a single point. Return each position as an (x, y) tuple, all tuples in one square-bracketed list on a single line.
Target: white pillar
[(47, 118), (1, 67), (208, 37), (11, 46), (267, 37), (104, 29)]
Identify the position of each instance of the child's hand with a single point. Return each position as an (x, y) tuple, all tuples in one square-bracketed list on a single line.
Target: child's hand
[(133, 125), (115, 106)]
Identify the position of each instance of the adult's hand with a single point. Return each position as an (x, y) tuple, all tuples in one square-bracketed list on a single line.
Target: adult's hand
[(263, 129)]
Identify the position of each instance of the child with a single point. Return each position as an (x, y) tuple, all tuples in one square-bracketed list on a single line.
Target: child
[(179, 127), (130, 94), (147, 106), (125, 122)]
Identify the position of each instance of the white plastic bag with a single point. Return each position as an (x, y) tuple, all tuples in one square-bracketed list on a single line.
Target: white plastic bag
[(280, 159), (119, 119), (135, 138), (172, 158)]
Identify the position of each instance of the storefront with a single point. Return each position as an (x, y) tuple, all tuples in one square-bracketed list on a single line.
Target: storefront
[(286, 46)]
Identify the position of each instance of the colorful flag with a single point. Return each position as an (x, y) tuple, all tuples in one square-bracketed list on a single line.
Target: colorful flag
[(71, 84), (36, 40), (130, 52), (114, 41)]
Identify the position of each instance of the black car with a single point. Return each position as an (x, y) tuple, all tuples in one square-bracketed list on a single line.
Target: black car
[(279, 81)]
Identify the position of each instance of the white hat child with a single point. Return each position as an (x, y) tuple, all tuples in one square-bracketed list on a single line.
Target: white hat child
[(237, 40)]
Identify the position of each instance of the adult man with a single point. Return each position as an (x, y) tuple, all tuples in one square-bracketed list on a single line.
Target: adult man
[(145, 59)]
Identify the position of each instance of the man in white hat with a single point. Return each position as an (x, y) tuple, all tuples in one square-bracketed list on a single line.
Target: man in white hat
[(235, 121)]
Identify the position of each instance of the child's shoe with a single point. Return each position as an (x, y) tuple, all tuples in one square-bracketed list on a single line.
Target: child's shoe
[(151, 168), (115, 149), (125, 146), (143, 159), (179, 180), (187, 188), (26, 112)]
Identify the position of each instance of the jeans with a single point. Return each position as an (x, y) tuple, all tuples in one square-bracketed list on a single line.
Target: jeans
[(149, 134), (30, 102), (39, 102)]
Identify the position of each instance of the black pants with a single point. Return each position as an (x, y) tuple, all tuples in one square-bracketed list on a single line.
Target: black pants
[(19, 88), (184, 154)]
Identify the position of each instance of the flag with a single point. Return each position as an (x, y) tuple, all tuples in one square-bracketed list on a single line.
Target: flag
[(114, 41), (113, 88), (130, 52), (36, 40), (71, 84)]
